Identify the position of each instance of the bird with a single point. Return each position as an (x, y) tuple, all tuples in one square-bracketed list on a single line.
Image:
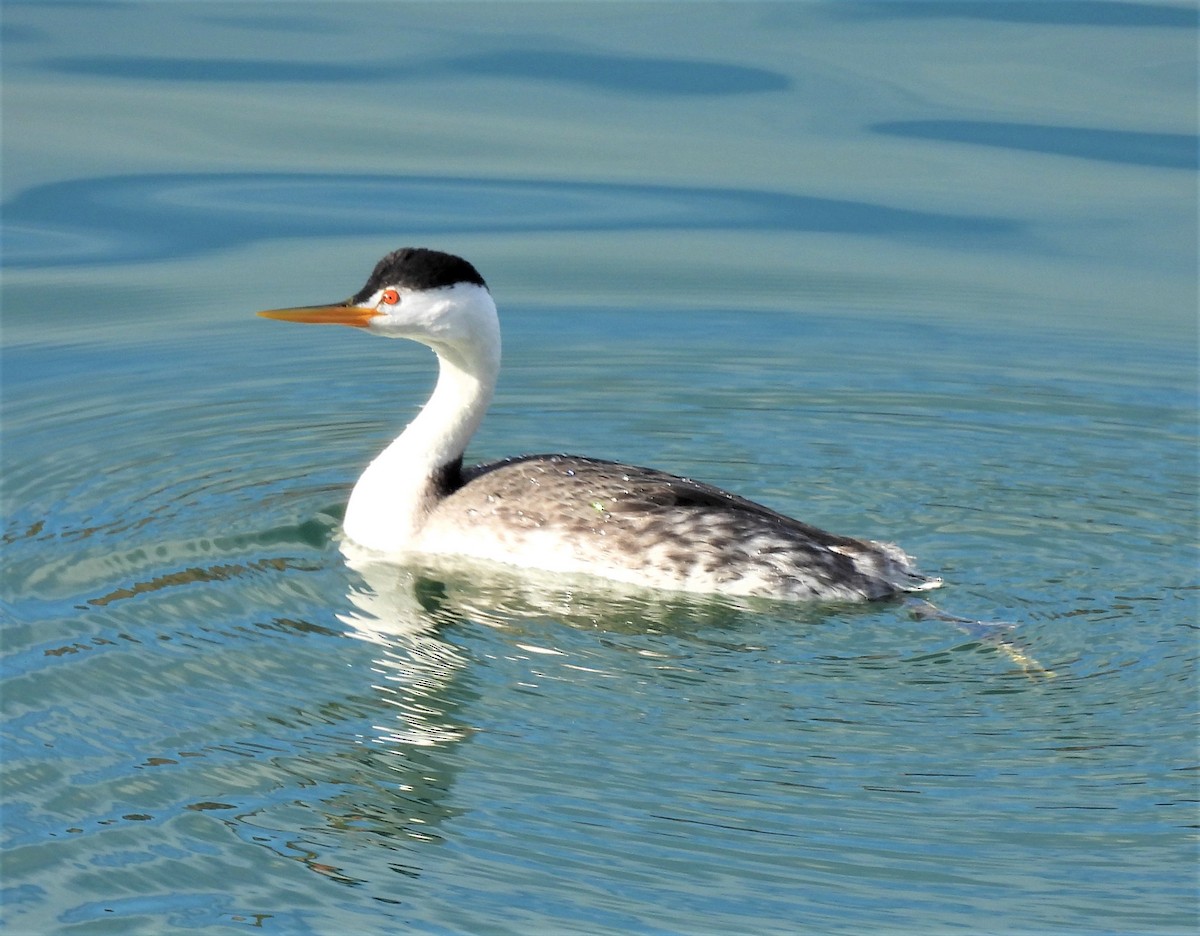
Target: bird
[(558, 513)]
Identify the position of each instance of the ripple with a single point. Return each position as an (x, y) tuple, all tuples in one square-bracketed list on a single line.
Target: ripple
[(617, 74), (98, 220), (622, 73), (1075, 13), (1131, 147)]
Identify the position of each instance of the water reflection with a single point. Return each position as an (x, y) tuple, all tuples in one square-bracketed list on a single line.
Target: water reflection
[(124, 219), (621, 74), (401, 613), (393, 790), (431, 592), (1047, 12), (1131, 147), (378, 799)]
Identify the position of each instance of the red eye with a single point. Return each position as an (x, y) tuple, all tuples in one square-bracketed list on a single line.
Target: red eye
[(390, 297)]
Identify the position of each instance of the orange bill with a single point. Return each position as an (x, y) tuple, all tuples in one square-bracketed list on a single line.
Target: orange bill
[(341, 313)]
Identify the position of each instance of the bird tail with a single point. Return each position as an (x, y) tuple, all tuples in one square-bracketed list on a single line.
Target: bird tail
[(900, 570)]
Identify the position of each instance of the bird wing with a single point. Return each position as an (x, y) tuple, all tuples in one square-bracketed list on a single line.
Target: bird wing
[(572, 484)]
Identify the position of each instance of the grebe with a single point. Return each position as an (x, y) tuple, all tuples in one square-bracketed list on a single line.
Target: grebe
[(563, 513)]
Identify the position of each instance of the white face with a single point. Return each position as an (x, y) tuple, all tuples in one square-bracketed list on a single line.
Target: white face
[(459, 322), (460, 316)]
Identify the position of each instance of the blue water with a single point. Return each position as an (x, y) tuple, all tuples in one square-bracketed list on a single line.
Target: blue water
[(923, 272)]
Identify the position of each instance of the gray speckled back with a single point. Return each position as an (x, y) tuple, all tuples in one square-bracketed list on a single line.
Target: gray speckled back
[(650, 528)]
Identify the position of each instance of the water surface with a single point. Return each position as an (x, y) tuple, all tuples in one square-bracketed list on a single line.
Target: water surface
[(923, 272)]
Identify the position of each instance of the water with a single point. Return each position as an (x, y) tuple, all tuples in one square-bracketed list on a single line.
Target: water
[(924, 272)]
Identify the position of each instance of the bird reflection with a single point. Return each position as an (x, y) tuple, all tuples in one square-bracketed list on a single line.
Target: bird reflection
[(394, 785), (403, 613)]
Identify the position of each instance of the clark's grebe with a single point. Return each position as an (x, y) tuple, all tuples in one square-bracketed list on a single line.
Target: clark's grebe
[(563, 513)]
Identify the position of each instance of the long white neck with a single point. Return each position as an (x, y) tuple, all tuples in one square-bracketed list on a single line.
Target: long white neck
[(395, 494)]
